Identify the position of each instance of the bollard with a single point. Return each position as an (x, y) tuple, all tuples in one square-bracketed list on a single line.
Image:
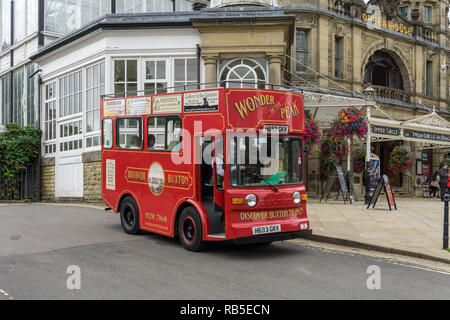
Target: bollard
[(446, 199)]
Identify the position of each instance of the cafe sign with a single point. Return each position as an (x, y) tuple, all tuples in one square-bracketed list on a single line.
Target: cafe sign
[(426, 136), (409, 134), (387, 131)]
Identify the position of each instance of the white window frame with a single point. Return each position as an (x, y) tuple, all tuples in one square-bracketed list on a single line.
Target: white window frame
[(54, 99), (70, 139), (251, 69), (93, 134), (187, 83), (165, 81), (81, 92), (138, 76)]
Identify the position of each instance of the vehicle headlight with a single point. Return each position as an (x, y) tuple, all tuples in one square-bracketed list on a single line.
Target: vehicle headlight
[(251, 200), (297, 197)]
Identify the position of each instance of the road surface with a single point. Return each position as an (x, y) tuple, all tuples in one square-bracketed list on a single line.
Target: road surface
[(41, 243)]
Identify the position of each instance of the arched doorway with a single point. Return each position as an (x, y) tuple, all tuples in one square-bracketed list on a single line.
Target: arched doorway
[(382, 70), (387, 74)]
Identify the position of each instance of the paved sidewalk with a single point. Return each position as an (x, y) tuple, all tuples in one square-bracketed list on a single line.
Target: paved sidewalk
[(416, 226)]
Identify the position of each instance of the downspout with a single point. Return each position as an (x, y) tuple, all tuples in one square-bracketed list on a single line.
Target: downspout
[(41, 23), (199, 60), (11, 87), (38, 169)]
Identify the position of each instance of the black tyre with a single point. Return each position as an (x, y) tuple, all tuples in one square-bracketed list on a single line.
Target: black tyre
[(190, 230), (129, 216)]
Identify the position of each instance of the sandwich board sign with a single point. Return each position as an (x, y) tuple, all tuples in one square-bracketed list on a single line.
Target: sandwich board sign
[(383, 185), (339, 174)]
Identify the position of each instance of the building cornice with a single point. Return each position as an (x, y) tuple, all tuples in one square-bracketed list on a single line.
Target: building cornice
[(359, 22)]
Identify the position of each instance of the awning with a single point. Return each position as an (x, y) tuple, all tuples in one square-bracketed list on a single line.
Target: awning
[(324, 106), (431, 129)]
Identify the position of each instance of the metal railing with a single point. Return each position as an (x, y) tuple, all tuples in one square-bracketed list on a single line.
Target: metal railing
[(202, 86), (25, 187)]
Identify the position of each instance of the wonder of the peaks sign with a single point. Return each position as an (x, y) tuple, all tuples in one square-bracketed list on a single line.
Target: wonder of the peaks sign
[(383, 184)]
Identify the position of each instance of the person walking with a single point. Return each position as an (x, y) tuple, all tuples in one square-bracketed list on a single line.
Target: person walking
[(443, 178), (434, 184)]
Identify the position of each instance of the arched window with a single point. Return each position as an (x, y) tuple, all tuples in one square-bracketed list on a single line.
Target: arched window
[(383, 71), (243, 73)]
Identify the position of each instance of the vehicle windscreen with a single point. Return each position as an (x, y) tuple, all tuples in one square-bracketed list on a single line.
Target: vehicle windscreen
[(265, 161)]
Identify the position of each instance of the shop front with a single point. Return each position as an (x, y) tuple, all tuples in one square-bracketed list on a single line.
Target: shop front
[(426, 139)]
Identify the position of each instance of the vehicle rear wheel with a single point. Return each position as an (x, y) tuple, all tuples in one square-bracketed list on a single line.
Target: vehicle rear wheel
[(129, 216), (190, 230)]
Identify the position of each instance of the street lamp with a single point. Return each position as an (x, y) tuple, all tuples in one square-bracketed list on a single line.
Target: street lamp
[(369, 93)]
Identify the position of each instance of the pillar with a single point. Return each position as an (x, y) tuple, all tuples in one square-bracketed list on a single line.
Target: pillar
[(275, 74), (211, 71)]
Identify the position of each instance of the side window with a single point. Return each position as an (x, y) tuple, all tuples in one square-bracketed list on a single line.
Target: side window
[(129, 133), (164, 133), (107, 133)]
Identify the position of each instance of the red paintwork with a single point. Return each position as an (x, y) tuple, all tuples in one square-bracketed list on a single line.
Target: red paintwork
[(158, 213)]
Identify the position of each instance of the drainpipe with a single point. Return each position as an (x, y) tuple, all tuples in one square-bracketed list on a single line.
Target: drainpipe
[(41, 22), (11, 87), (38, 169), (39, 191), (199, 60)]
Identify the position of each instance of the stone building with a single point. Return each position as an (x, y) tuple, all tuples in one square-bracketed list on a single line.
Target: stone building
[(399, 48), (339, 48)]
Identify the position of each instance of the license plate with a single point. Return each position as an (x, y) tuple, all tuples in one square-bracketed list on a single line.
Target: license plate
[(266, 229)]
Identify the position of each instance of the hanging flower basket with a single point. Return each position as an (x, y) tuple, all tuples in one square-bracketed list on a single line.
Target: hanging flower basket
[(359, 162), (312, 133), (332, 152), (350, 122), (401, 160)]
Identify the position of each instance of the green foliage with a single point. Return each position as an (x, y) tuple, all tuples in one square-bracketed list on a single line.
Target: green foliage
[(18, 147)]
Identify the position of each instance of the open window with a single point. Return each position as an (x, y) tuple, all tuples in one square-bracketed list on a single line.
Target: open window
[(164, 133), (108, 134), (129, 133)]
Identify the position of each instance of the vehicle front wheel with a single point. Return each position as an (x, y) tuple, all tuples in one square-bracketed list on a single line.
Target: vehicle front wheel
[(129, 216), (190, 230)]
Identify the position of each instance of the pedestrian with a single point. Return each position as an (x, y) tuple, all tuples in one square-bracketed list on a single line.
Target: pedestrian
[(443, 178), (434, 184)]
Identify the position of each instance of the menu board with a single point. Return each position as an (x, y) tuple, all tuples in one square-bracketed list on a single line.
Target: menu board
[(383, 184), (339, 174), (342, 181), (139, 106), (328, 187), (389, 193)]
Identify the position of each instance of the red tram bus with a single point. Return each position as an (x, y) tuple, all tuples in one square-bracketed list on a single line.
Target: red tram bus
[(207, 165)]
